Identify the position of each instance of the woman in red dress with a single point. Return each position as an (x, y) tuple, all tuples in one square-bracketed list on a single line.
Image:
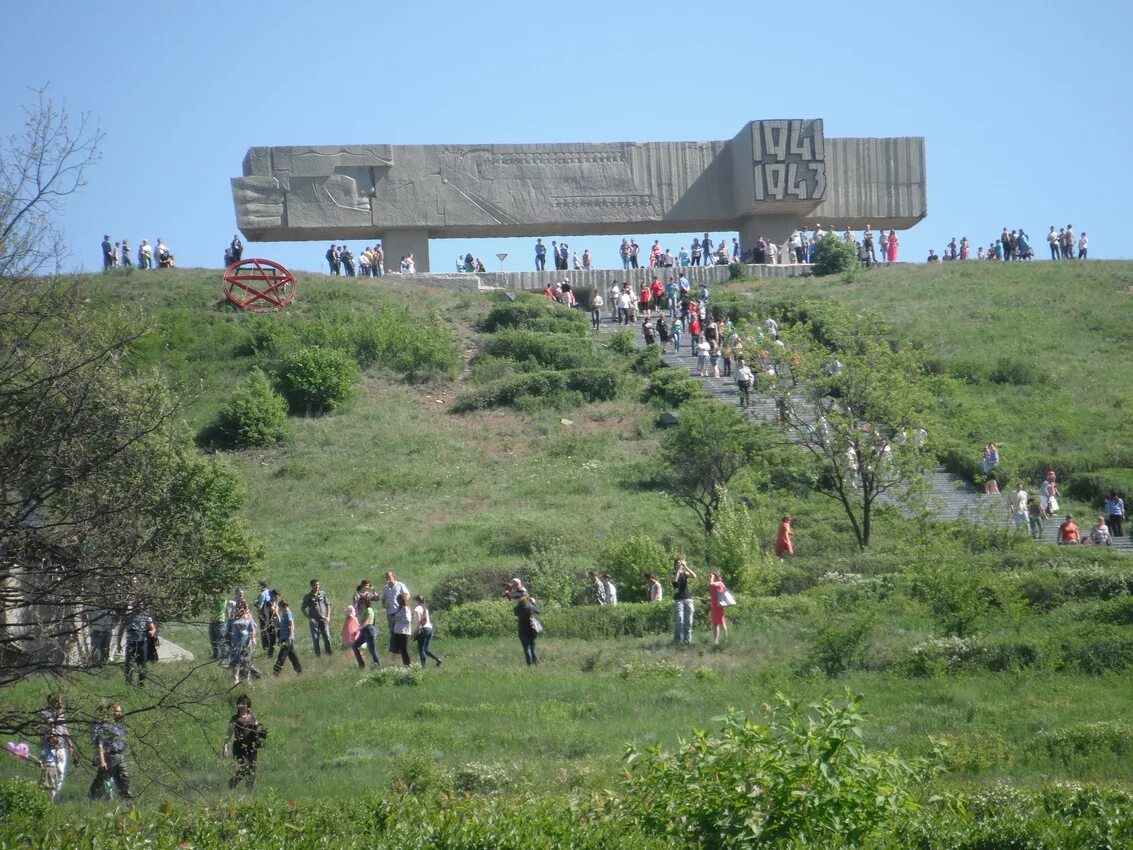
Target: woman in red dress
[(893, 244), (785, 542), (717, 615)]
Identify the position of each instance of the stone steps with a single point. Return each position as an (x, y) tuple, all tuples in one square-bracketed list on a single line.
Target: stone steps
[(951, 497)]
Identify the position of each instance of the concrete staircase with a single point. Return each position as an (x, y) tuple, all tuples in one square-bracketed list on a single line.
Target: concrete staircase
[(950, 498)]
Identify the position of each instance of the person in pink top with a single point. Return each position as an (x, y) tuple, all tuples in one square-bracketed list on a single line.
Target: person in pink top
[(350, 628), (655, 254), (894, 243), (785, 542)]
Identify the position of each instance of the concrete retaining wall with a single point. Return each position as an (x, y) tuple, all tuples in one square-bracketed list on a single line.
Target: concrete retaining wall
[(597, 278)]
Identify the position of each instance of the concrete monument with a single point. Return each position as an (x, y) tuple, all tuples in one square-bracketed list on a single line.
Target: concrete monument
[(773, 177)]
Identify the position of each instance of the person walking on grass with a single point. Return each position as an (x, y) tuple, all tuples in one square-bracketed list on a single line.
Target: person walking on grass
[(683, 608), (286, 639), (246, 736), (112, 774), (423, 630), (392, 591), (316, 608), (56, 747), (526, 611), (367, 633), (716, 613), (402, 628)]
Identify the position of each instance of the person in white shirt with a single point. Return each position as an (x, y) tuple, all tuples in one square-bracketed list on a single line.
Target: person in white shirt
[(390, 602), (654, 592), (611, 590), (423, 630)]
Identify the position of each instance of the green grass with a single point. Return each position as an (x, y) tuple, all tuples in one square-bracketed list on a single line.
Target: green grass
[(396, 481)]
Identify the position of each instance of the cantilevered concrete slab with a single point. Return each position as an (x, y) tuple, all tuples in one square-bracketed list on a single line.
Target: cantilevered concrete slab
[(771, 178)]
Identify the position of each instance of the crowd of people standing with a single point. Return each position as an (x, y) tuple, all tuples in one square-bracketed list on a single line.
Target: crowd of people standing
[(117, 255)]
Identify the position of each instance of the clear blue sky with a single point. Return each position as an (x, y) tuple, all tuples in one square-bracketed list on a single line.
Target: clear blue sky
[(1025, 106)]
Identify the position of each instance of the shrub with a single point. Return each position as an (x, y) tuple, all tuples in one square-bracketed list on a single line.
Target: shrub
[(598, 384), (1081, 740), (957, 595), (834, 255), (648, 360), (536, 313), (945, 655), (672, 387), (554, 580), (840, 641), (1017, 372), (622, 342), (736, 270), (644, 670), (550, 351), (628, 559), (316, 380), (475, 584), (799, 779), (479, 778), (479, 619), (267, 335), (255, 416), (23, 799), (1095, 649)]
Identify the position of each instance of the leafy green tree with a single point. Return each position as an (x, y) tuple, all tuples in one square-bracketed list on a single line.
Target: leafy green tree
[(803, 778), (628, 559), (711, 444), (255, 416), (858, 406), (834, 255)]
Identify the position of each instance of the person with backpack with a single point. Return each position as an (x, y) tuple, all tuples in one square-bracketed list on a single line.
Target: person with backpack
[(246, 736), (530, 628)]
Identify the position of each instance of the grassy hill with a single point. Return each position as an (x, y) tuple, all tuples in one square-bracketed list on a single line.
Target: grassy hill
[(1031, 356)]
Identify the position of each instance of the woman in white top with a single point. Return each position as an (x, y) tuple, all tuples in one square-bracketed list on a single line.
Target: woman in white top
[(703, 349), (423, 630), (402, 628)]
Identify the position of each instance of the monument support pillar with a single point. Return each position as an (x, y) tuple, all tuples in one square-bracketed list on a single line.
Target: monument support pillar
[(398, 242), (773, 228)]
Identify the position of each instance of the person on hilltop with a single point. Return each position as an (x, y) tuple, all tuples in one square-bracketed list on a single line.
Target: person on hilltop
[(246, 735), (893, 244), (165, 258), (634, 251), (107, 253), (1053, 240), (540, 256), (587, 260), (623, 252), (237, 248)]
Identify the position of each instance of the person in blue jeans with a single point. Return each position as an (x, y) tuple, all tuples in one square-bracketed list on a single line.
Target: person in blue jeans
[(540, 255), (682, 602), (367, 634)]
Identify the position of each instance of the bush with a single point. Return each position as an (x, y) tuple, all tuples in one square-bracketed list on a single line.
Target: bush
[(549, 351), (1017, 372), (23, 799), (476, 584), (536, 313), (316, 380), (255, 416), (834, 255), (599, 384), (673, 387), (1083, 740), (551, 576), (648, 360), (268, 335), (628, 559), (479, 619), (801, 779), (736, 270), (622, 341), (839, 642)]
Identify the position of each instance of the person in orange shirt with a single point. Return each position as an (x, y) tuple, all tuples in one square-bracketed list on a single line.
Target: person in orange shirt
[(1068, 531), (785, 542)]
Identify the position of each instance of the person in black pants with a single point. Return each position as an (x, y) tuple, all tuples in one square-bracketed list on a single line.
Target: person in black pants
[(112, 775), (247, 736)]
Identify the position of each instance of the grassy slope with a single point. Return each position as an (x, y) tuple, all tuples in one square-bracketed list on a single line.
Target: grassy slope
[(396, 482)]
